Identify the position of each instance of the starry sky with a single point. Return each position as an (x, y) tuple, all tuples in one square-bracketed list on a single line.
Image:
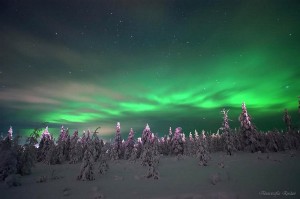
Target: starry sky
[(88, 63)]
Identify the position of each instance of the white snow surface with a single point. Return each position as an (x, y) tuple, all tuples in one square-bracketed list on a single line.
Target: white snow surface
[(245, 175)]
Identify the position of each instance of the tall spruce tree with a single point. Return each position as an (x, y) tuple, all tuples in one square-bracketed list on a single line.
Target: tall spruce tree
[(226, 133), (177, 143), (87, 166), (129, 144), (248, 130), (117, 145)]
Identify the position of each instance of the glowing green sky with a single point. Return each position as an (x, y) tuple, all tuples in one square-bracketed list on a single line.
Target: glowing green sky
[(167, 63)]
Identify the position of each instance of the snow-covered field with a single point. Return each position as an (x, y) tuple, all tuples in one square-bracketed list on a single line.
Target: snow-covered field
[(243, 175)]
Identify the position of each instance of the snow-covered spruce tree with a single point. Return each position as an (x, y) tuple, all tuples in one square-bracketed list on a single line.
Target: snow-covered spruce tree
[(83, 140), (18, 151), (134, 154), (202, 150), (146, 153), (63, 145), (8, 157), (32, 142), (190, 145), (272, 145), (77, 153), (150, 157), (219, 143), (165, 145), (146, 135), (86, 137), (24, 155), (10, 133), (245, 119), (117, 152), (97, 145), (196, 141), (28, 157), (248, 130), (44, 145), (67, 146), (51, 156), (287, 120), (261, 142), (170, 133), (177, 143), (196, 135), (103, 166), (87, 165), (137, 151), (73, 141), (184, 143), (226, 133), (129, 144)]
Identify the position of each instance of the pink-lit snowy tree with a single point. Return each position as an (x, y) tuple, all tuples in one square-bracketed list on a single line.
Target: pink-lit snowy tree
[(226, 133), (129, 144), (117, 150), (177, 143), (248, 131)]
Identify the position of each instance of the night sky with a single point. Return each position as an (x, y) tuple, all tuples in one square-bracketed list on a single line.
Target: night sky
[(84, 64)]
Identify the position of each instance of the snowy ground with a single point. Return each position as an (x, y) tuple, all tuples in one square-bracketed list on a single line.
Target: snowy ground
[(244, 175)]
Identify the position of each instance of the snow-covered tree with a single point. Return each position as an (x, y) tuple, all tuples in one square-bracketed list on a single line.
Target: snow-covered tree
[(8, 157), (77, 153), (196, 135), (137, 150), (134, 154), (10, 133), (150, 157), (73, 141), (103, 166), (117, 145), (28, 157), (189, 145), (248, 130), (146, 135), (129, 144), (245, 119), (51, 156), (226, 133), (202, 150), (170, 133), (165, 145), (87, 166), (225, 124), (97, 145), (150, 148), (44, 145), (63, 145), (177, 143)]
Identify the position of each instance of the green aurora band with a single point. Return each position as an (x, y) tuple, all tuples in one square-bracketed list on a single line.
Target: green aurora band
[(166, 64)]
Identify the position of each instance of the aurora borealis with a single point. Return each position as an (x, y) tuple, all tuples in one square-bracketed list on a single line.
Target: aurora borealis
[(84, 64)]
